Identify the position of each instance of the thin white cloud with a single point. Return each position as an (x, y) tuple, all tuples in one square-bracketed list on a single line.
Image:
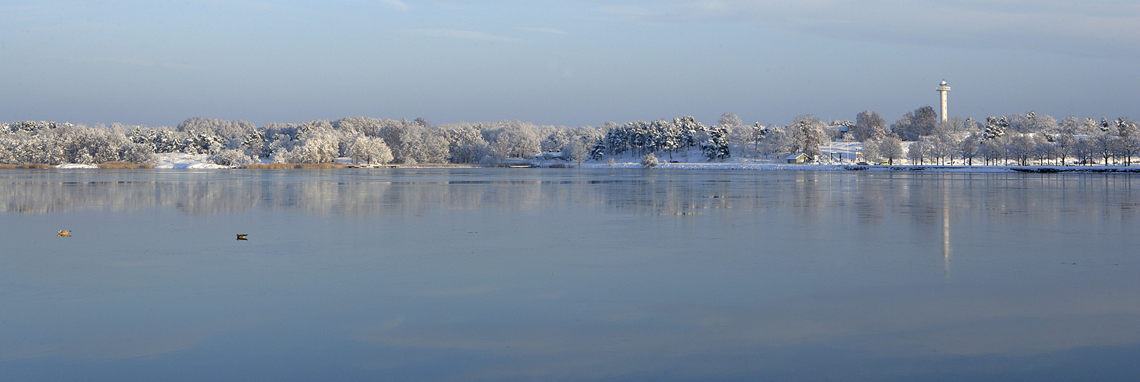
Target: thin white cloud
[(118, 346), (448, 5), (462, 34), (542, 30), (1092, 27), (626, 11), (458, 292), (396, 4), (128, 61)]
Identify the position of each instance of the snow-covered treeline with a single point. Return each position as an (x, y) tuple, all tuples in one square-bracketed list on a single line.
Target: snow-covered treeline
[(370, 140), (918, 137), (921, 138), (664, 136), (1021, 139), (53, 143)]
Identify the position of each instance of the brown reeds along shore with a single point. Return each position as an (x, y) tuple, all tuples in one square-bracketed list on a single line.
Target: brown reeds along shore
[(101, 165), (263, 166), (27, 165)]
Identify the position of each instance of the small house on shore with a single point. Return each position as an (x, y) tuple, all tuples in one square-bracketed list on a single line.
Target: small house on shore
[(797, 158)]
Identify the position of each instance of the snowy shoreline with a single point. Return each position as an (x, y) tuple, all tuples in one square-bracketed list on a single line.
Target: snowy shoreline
[(849, 167), (191, 161)]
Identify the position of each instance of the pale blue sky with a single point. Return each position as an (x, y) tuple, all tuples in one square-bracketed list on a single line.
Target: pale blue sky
[(562, 62)]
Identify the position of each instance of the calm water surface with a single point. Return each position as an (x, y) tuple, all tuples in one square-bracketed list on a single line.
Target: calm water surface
[(549, 274)]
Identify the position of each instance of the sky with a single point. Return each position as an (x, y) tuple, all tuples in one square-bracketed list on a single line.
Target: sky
[(571, 63)]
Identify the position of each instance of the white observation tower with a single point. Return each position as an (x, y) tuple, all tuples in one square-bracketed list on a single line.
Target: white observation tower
[(942, 89)]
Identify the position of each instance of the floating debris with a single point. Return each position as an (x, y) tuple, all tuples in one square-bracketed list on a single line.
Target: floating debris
[(242, 236), (64, 233)]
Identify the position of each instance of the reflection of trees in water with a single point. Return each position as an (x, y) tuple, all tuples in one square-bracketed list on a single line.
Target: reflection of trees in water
[(822, 198), (1040, 197), (199, 197), (316, 195), (811, 197), (325, 195)]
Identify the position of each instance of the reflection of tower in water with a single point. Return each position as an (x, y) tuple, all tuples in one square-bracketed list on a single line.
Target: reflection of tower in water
[(946, 229)]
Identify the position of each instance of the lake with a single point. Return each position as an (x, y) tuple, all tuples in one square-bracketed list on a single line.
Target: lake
[(568, 274)]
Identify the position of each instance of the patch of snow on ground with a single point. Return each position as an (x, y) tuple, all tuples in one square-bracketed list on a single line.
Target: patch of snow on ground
[(180, 160), (76, 165), (693, 161)]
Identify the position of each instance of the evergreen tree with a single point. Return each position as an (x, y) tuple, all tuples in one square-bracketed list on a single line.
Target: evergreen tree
[(995, 128), (716, 147)]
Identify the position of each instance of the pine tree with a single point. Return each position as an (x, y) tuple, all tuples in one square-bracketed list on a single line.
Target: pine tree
[(995, 128), (716, 147)]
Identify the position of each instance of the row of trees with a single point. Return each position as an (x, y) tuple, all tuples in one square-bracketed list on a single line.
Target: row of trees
[(1022, 139), (49, 142), (994, 147), (664, 136), (918, 136), (230, 142)]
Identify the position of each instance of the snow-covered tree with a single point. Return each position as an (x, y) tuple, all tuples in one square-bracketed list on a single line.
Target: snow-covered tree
[(748, 138), (715, 148), (918, 151), (422, 145), (515, 142), (969, 148), (232, 157), (316, 147), (672, 136), (870, 151), (465, 143), (1064, 146), (944, 146), (870, 126), (1032, 122), (777, 141), (1128, 144), (649, 160), (556, 140), (1105, 146), (730, 121), (578, 149), (806, 134), (369, 150), (891, 148), (1021, 147), (691, 130), (212, 134), (995, 128), (992, 150), (915, 124)]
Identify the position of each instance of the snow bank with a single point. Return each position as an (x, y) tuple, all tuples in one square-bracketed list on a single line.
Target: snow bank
[(774, 166), (76, 165), (199, 161), (172, 160), (180, 160)]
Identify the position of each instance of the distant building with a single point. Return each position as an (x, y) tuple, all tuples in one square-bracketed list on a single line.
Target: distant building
[(943, 89), (797, 158)]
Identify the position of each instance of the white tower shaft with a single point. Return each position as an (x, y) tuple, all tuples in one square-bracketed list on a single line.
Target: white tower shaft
[(943, 89)]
